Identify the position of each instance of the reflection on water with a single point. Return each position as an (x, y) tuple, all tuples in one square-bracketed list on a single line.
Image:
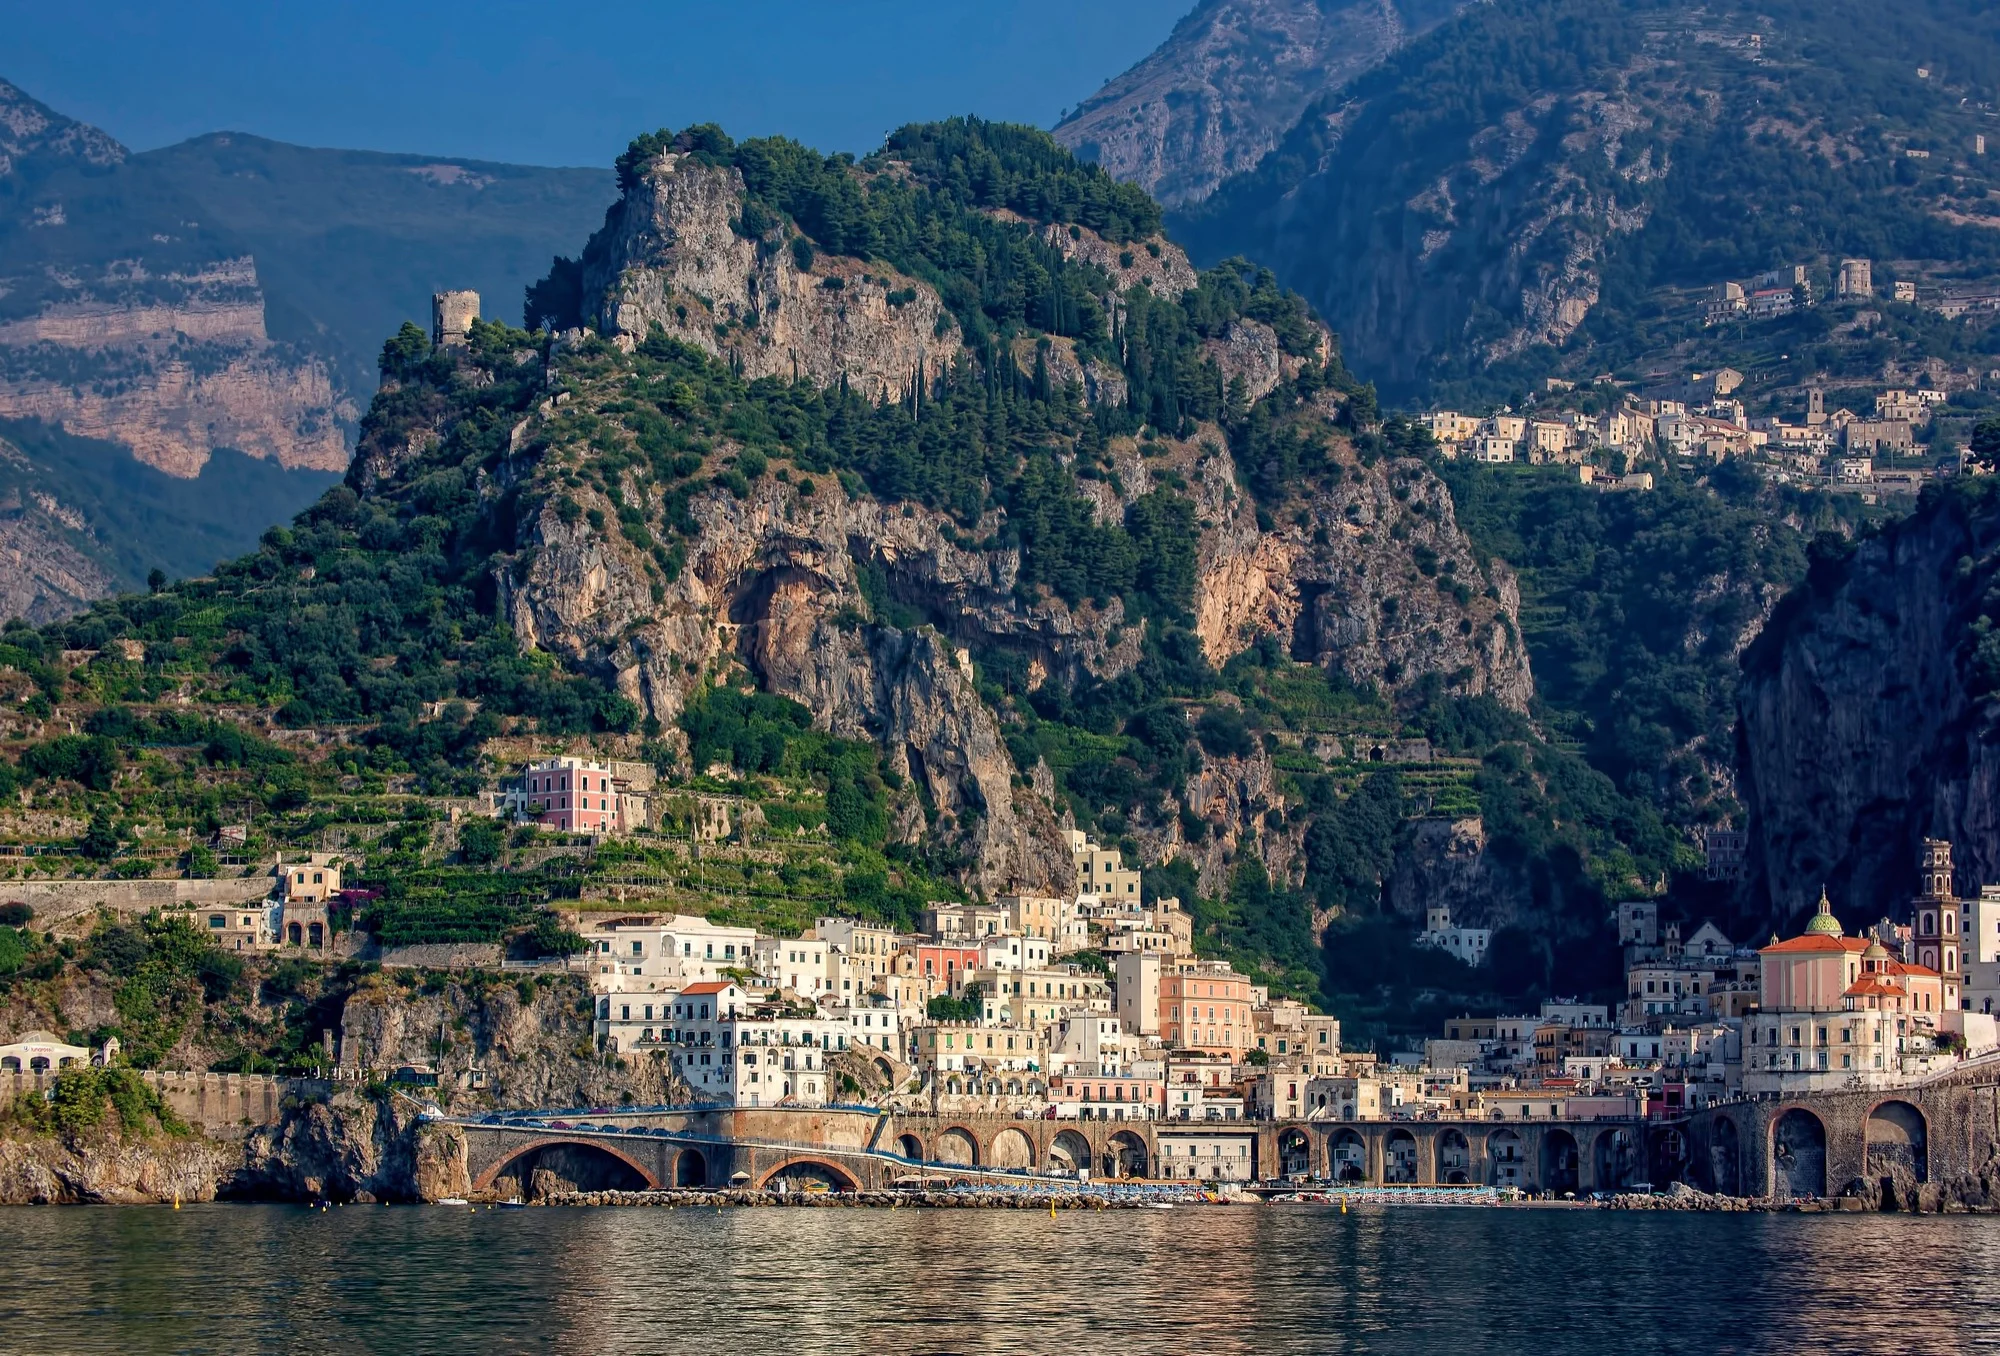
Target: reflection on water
[(1240, 1279)]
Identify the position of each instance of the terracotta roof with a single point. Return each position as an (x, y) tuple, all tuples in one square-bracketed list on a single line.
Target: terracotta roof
[(711, 986), (1870, 986), (1815, 941)]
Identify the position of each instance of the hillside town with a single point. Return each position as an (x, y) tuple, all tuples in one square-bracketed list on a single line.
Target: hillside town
[(1100, 1007), (1874, 442)]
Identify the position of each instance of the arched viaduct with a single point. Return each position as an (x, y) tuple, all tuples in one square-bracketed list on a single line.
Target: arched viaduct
[(1902, 1146), (851, 1148), (1855, 1143)]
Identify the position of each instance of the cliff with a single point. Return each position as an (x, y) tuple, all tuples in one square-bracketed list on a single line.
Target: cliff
[(1868, 714), (774, 579), (1228, 83), (226, 293), (675, 252), (173, 381)]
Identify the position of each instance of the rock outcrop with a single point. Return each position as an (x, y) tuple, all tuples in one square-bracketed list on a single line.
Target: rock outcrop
[(1869, 717), (674, 254), (773, 579), (1216, 96), (108, 1169), (46, 573), (1156, 263)]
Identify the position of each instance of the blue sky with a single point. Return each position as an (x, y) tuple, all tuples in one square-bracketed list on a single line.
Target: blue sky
[(562, 83)]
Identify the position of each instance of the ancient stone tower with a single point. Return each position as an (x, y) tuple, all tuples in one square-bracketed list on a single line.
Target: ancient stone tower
[(452, 314)]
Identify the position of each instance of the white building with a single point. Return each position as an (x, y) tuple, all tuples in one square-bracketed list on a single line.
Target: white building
[(652, 955), (1467, 944), (875, 1022), (795, 963), (1136, 976), (736, 1051), (1090, 1043), (1207, 1156), (1014, 953)]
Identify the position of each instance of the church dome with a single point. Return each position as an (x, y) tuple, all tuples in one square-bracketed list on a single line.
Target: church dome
[(1823, 923)]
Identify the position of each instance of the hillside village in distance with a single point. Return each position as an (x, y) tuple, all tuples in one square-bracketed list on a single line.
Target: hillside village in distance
[(1875, 442)]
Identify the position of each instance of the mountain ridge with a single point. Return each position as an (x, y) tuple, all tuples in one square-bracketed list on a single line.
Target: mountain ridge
[(1228, 82), (227, 292)]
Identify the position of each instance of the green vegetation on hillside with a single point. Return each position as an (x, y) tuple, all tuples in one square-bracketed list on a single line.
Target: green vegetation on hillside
[(1634, 607), (1656, 147)]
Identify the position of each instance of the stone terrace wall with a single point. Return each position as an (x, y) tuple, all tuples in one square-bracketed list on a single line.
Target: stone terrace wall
[(221, 1106), (68, 907)]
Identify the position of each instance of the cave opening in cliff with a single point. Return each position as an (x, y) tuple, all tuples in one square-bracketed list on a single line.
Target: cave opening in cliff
[(1306, 627)]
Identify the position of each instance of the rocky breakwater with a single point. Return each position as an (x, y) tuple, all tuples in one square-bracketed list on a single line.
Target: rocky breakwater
[(1681, 1196), (1971, 1195), (1870, 713)]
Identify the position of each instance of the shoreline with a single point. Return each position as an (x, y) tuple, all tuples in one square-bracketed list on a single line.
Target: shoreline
[(691, 1198)]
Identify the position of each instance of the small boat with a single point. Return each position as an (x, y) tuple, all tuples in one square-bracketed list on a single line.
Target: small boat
[(513, 1205), (453, 1200), (1159, 1205)]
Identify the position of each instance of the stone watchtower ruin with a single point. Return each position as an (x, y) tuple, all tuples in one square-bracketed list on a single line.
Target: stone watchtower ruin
[(452, 314)]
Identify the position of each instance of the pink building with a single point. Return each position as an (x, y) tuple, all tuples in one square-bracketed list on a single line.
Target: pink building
[(572, 795)]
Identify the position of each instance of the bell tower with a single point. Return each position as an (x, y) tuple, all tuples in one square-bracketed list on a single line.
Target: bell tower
[(1935, 932)]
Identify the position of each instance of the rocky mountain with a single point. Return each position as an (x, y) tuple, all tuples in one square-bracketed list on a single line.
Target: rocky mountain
[(1548, 185), (1228, 83), (227, 293), (774, 577), (917, 508), (1869, 711), (929, 560)]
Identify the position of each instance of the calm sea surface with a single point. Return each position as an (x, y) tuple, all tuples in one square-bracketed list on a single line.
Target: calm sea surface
[(1240, 1279)]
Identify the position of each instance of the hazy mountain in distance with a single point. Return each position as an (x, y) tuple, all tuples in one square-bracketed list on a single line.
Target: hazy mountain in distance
[(227, 293), (1229, 82)]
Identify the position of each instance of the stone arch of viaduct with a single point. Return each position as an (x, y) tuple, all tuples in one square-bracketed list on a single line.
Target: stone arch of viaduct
[(1825, 1144), (1845, 1143)]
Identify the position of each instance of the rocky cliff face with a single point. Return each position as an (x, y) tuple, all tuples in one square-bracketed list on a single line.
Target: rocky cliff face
[(1219, 93), (48, 569), (174, 380), (530, 1047), (1869, 718), (773, 579), (1486, 246), (674, 253)]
